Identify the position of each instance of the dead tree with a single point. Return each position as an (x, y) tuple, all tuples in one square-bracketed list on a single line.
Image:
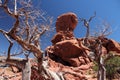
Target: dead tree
[(96, 47), (22, 64), (100, 61), (30, 24), (97, 50), (102, 30), (86, 24)]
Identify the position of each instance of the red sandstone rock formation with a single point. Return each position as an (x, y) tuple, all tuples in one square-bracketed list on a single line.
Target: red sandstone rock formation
[(62, 35), (67, 49), (67, 21), (69, 54), (113, 46)]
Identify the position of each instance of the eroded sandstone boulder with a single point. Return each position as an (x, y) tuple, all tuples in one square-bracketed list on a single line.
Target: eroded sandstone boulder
[(68, 49), (112, 45), (75, 62), (70, 73), (62, 35), (67, 21)]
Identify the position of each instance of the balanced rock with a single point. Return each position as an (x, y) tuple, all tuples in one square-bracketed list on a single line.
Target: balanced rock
[(67, 21)]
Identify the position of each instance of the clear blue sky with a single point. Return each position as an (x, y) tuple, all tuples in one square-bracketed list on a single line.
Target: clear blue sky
[(108, 10)]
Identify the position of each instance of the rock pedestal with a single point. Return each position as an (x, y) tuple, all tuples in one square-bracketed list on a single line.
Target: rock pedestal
[(65, 45)]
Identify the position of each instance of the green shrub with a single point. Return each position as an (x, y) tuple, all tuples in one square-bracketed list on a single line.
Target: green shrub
[(112, 65)]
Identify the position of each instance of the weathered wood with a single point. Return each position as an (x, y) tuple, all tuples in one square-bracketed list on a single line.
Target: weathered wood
[(26, 71)]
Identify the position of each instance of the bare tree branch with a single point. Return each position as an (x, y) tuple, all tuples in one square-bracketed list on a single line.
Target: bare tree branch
[(18, 53), (86, 24), (27, 30), (10, 42), (92, 17), (6, 9), (15, 8), (102, 30), (10, 46)]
